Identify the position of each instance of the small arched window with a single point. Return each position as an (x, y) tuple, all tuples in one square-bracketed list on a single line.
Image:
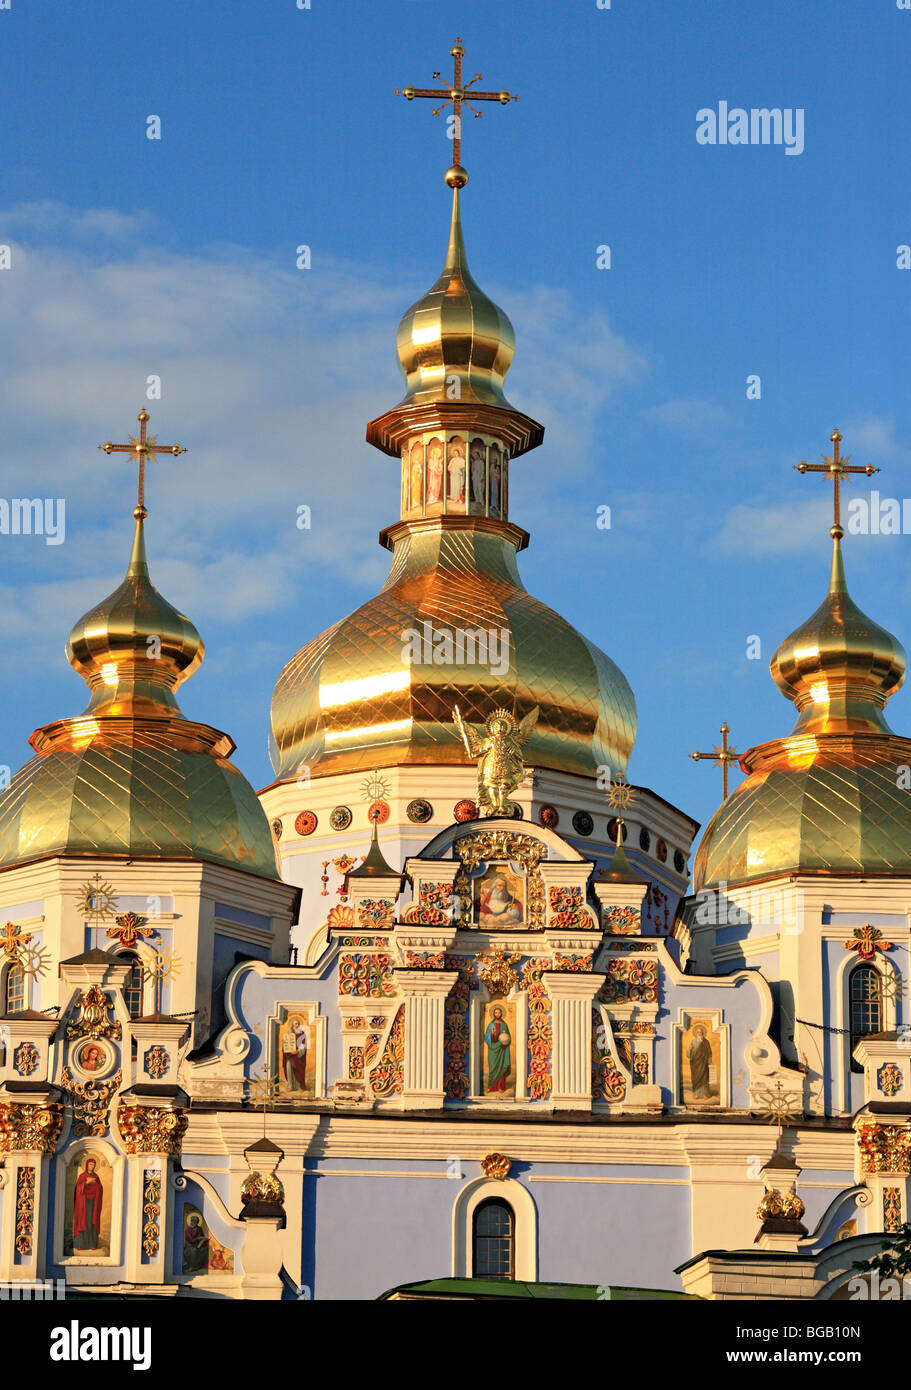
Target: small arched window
[(15, 999), (493, 1240), (132, 990), (866, 1001)]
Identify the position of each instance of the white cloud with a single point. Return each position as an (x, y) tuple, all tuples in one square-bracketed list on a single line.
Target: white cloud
[(690, 413), (775, 528)]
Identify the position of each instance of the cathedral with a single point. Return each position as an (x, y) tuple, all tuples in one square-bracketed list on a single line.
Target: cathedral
[(452, 1006)]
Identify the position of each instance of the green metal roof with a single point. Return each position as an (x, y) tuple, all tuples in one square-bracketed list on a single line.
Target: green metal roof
[(517, 1288)]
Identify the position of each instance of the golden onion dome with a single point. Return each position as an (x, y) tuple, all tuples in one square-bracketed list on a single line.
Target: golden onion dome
[(366, 694), (131, 777), (826, 799), (455, 343)]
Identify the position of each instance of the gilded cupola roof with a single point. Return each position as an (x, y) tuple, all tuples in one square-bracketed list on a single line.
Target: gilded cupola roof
[(826, 798), (454, 343), (131, 777)]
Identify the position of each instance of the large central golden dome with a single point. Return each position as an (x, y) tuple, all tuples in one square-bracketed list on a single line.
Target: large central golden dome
[(378, 688)]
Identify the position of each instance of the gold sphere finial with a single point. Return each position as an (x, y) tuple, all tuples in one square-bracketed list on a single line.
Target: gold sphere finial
[(456, 176), (835, 436), (457, 50), (143, 415), (836, 533), (139, 513)]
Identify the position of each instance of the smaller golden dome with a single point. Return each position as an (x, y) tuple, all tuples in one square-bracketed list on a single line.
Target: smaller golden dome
[(134, 649), (824, 799), (455, 344), (839, 667)]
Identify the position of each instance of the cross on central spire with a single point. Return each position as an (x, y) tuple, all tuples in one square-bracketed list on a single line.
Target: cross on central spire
[(837, 468), (142, 447), (458, 93)]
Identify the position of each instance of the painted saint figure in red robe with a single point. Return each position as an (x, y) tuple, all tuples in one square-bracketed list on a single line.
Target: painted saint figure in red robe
[(89, 1198)]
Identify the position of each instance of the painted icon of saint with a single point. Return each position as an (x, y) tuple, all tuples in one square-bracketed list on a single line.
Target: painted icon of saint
[(87, 1205), (477, 468), (294, 1057), (699, 1056), (434, 472), (91, 1058), (456, 470), (195, 1245), (499, 1052), (417, 475), (494, 479), (499, 906)]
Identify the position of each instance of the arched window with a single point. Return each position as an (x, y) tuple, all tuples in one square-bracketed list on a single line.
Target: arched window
[(15, 990), (132, 990), (866, 997), (493, 1240)]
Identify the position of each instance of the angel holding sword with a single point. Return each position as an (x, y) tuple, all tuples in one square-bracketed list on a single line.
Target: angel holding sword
[(499, 755)]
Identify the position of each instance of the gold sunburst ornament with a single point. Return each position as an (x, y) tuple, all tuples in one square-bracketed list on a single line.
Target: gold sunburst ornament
[(619, 793), (158, 966), (96, 900)]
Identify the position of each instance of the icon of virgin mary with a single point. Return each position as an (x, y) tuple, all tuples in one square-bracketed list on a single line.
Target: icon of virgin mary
[(88, 1201)]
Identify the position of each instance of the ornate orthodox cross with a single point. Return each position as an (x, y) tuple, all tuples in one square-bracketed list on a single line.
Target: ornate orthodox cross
[(456, 95), (721, 757), (836, 468), (142, 447)]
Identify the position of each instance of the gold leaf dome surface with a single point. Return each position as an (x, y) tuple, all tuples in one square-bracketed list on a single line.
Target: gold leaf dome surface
[(455, 343), (131, 777), (826, 799), (349, 700)]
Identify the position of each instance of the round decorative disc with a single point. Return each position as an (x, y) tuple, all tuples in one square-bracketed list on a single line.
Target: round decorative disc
[(549, 817), (645, 840), (340, 818), (517, 812), (679, 861), (277, 828), (419, 811), (583, 823), (465, 810), (661, 850), (305, 823), (612, 831), (379, 812)]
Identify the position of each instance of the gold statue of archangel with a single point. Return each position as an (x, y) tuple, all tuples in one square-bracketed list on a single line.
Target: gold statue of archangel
[(499, 755)]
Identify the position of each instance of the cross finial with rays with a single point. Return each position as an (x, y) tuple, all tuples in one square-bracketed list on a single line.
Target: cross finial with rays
[(836, 468), (142, 447), (722, 756), (458, 94)]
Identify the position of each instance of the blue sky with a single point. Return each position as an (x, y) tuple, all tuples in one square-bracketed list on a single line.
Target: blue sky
[(279, 127)]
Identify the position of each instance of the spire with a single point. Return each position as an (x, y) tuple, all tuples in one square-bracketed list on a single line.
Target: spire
[(374, 866), (621, 870)]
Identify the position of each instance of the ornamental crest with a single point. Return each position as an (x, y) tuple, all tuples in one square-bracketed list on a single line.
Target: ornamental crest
[(26, 1059), (496, 972), (567, 909), (867, 941), (91, 1103), (496, 1166), (890, 1079), (92, 1021)]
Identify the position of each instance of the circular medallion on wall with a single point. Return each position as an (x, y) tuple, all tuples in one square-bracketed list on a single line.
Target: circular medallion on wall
[(378, 811), (305, 823), (612, 831), (340, 818), (679, 861), (583, 823), (277, 829), (465, 810), (661, 850), (419, 811), (92, 1059), (517, 812), (549, 817), (645, 840)]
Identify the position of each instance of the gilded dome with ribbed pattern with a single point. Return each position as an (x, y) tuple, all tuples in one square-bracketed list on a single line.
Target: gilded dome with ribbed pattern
[(131, 777), (826, 799)]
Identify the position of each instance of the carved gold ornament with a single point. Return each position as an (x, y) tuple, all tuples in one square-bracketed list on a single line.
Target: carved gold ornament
[(488, 845), (496, 1166), (262, 1187), (776, 1203), (91, 1021), (148, 1130), (496, 972), (885, 1148), (499, 755), (91, 1103), (30, 1128)]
